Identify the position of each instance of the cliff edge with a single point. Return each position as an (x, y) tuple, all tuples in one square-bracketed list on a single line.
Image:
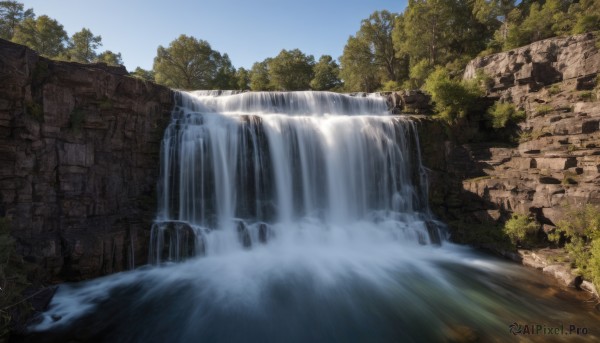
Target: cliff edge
[(79, 162)]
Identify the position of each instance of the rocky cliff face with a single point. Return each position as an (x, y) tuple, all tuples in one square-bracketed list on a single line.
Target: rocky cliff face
[(557, 158), (79, 158)]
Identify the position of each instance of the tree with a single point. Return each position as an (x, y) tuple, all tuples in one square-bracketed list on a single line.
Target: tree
[(377, 31), (83, 45), (291, 70), (370, 58), (587, 16), (242, 77), (11, 14), (494, 14), (259, 76), (427, 29), (110, 58), (225, 76), (188, 63), (44, 35), (143, 74), (326, 74), (358, 71)]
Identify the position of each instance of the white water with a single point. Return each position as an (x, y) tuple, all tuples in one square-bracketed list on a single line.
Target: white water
[(311, 212), (298, 166)]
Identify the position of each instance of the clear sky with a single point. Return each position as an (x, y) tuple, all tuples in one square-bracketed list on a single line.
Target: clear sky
[(247, 30)]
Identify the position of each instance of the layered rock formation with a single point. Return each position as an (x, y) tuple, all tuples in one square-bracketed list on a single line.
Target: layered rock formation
[(557, 159), (79, 159)]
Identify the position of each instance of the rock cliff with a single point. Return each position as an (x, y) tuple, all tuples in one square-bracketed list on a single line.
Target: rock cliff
[(556, 160), (79, 159)]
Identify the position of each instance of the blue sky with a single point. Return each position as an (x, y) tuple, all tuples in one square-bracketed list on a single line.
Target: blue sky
[(248, 30)]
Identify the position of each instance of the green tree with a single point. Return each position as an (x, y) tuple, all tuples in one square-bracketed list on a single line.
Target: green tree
[(495, 14), (144, 74), (370, 58), (110, 58), (259, 76), (11, 14), (44, 35), (326, 74), (377, 31), (242, 77), (358, 71), (82, 46), (441, 32), (187, 63), (427, 29), (542, 21), (419, 73), (586, 16), (225, 76), (291, 70)]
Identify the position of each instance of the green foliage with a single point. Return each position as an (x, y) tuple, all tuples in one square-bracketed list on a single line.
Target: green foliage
[(326, 74), (259, 76), (377, 32), (500, 114), (587, 23), (483, 80), (453, 99), (242, 79), (543, 109), (359, 71), (586, 96), (143, 74), (581, 230), (110, 58), (521, 229), (390, 86), (82, 46), (291, 70), (13, 280), (419, 73), (187, 63), (44, 35), (12, 13), (485, 235), (554, 89), (225, 77)]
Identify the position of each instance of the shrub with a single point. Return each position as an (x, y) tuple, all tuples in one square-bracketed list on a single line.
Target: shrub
[(554, 89), (521, 229), (587, 23), (453, 99), (485, 81), (586, 96), (419, 73), (501, 114), (544, 109), (582, 235), (390, 86)]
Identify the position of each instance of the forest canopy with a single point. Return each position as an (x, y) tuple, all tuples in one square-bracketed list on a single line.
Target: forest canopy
[(390, 51)]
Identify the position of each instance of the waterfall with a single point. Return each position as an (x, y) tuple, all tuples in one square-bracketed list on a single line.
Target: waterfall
[(240, 169), (310, 213)]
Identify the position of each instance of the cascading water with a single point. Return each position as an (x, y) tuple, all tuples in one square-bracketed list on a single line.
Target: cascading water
[(308, 217), (237, 169)]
